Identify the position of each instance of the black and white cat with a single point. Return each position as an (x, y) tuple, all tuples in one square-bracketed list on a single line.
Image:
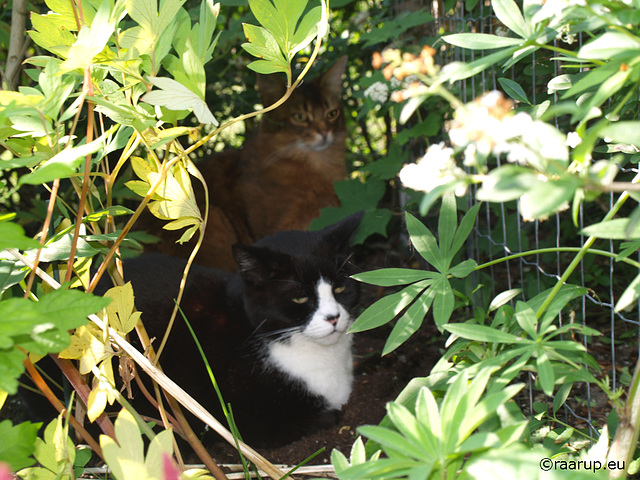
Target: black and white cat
[(275, 333)]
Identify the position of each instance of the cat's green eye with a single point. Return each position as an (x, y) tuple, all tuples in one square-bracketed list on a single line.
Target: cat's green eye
[(340, 289), (300, 300), (332, 114), (299, 117)]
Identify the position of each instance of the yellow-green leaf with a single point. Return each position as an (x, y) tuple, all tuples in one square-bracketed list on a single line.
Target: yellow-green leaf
[(120, 312)]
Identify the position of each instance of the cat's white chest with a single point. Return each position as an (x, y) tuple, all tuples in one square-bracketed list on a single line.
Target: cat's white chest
[(326, 370)]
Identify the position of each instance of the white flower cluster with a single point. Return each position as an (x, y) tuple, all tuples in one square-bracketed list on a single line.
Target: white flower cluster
[(378, 92), (437, 167), (487, 126)]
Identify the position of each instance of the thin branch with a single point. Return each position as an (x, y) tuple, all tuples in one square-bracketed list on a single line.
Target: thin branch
[(44, 388)]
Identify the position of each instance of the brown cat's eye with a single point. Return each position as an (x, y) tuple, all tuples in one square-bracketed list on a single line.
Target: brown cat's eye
[(332, 114), (299, 117), (300, 300), (340, 289)]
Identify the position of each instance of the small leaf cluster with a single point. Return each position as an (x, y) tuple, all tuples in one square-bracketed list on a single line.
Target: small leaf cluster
[(56, 455), (432, 438), (287, 29)]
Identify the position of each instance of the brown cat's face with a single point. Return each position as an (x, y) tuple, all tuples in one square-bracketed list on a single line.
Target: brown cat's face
[(312, 119)]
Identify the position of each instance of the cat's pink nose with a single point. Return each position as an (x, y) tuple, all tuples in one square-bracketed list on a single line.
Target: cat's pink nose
[(333, 320)]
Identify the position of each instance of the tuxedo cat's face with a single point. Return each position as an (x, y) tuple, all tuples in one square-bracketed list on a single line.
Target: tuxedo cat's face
[(291, 295), (312, 119), (298, 283)]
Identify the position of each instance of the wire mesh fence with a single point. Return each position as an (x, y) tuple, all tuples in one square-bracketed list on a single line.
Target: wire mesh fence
[(501, 231)]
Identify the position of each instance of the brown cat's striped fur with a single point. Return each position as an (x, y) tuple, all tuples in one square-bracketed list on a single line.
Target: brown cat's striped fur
[(282, 176)]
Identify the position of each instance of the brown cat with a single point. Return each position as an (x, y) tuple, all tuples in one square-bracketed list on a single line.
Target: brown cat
[(283, 175)]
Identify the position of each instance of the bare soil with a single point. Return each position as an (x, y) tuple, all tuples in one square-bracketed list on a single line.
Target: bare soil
[(378, 380)]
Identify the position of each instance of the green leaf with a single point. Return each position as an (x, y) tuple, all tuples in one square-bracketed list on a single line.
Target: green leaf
[(560, 301), (546, 198), (479, 441), (424, 242), (12, 236), (40, 327), (592, 79), (11, 273), (392, 29), (63, 164), (113, 211), (356, 196), (382, 469), (456, 71), (561, 396), (58, 248), (616, 229), (409, 427), (443, 302), (428, 415), (546, 375), (18, 443), (263, 45), (480, 41), (504, 298), (269, 17), (55, 452), (622, 132), (207, 25), (464, 229), (509, 14), (488, 407), (126, 460), (559, 83), (307, 29), (606, 90), (388, 277), (392, 440), (463, 269), (481, 333), (92, 39), (282, 34), (387, 308), (175, 96), (629, 296), (526, 318), (339, 461), (609, 45), (447, 224), (50, 32), (409, 322), (450, 412), (537, 111), (11, 366), (514, 90)]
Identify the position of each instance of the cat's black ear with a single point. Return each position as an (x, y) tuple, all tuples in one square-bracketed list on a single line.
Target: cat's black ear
[(252, 264), (331, 80), (339, 234), (271, 88)]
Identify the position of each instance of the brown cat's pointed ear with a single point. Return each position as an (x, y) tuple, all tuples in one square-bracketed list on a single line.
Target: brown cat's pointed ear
[(331, 80), (271, 88)]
